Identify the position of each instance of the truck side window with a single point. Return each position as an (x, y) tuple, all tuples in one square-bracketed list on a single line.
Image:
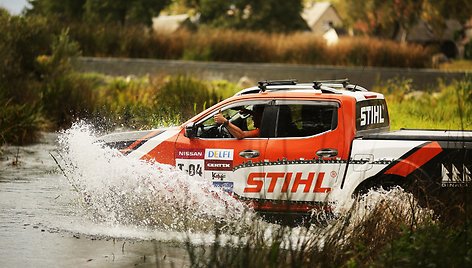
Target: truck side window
[(240, 116), (302, 120)]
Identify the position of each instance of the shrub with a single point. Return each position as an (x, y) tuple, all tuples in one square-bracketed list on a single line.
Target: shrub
[(65, 94), (19, 123), (432, 245), (21, 41), (154, 101), (184, 95)]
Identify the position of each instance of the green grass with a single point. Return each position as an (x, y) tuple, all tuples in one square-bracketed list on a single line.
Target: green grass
[(448, 107)]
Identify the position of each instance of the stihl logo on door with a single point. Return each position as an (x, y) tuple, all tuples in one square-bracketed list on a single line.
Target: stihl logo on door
[(453, 177), (290, 181)]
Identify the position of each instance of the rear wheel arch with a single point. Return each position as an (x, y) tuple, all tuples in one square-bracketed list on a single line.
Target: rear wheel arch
[(384, 181), (414, 183)]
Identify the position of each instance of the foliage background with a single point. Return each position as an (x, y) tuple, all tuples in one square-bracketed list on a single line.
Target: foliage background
[(39, 90)]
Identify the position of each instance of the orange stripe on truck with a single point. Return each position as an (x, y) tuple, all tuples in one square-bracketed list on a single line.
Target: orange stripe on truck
[(411, 163)]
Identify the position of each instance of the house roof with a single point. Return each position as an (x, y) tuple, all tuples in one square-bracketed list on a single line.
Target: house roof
[(169, 23), (312, 14)]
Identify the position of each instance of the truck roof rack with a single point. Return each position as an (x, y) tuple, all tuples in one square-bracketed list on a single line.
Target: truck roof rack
[(263, 84), (326, 86), (341, 82)]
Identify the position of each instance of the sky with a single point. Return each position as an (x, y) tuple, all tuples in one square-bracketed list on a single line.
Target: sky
[(14, 6)]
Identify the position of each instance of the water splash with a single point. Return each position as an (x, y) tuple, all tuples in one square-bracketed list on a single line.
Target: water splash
[(118, 190), (122, 191)]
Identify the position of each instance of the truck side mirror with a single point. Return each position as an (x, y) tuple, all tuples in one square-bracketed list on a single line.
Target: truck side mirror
[(191, 130)]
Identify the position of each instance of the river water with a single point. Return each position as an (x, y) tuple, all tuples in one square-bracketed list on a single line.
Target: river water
[(85, 212), (41, 225), (69, 201)]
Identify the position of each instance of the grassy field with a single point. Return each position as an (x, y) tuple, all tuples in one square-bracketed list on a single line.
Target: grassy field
[(147, 102), (448, 107), (457, 65)]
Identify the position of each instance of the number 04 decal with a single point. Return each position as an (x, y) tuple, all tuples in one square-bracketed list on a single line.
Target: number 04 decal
[(192, 167)]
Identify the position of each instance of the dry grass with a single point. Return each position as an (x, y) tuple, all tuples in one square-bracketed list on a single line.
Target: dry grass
[(245, 46), (457, 65), (371, 233)]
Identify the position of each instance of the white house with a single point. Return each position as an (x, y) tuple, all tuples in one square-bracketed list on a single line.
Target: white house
[(322, 18), (172, 23)]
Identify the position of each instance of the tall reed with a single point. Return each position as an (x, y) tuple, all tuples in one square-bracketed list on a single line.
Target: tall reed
[(245, 46)]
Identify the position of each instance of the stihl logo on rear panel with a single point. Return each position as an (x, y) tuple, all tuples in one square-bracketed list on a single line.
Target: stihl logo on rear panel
[(371, 114)]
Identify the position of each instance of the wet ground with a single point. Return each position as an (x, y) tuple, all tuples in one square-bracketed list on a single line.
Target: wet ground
[(41, 226)]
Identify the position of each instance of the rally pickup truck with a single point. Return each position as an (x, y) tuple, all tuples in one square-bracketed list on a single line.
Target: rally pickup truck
[(319, 143)]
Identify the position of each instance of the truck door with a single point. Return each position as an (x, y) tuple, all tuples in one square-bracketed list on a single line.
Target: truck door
[(215, 155), (305, 154)]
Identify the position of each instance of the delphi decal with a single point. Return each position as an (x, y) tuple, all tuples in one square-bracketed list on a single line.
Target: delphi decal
[(219, 154)]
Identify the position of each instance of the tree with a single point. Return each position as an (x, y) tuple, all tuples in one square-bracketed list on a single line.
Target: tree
[(436, 12), (124, 12), (406, 13), (65, 10), (264, 15), (385, 18)]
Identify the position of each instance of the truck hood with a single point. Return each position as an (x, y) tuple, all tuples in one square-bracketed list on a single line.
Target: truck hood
[(124, 140)]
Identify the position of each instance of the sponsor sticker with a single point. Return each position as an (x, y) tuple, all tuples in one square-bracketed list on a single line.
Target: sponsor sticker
[(217, 165), (218, 176), (219, 154), (190, 154), (290, 181), (226, 186), (371, 114), (454, 177)]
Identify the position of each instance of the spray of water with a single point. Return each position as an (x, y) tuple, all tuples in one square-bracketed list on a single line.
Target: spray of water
[(118, 190), (121, 191)]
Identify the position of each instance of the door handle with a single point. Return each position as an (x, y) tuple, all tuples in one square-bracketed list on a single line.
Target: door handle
[(249, 153), (327, 152)]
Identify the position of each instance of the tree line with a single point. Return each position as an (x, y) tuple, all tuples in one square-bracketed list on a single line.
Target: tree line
[(379, 18)]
